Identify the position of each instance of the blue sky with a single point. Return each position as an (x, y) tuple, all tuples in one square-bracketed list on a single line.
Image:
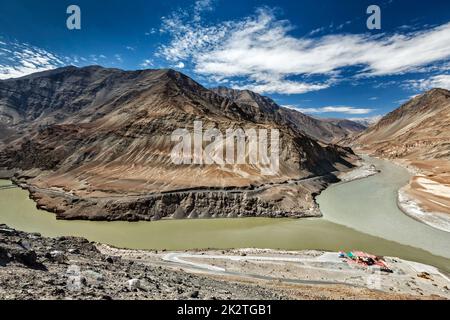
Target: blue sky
[(317, 56)]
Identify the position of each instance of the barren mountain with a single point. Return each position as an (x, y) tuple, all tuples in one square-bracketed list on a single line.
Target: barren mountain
[(418, 134), (95, 143), (348, 128), (367, 122), (326, 130)]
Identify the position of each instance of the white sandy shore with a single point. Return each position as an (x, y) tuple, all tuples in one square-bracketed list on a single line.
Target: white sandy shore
[(407, 204), (412, 208), (364, 170)]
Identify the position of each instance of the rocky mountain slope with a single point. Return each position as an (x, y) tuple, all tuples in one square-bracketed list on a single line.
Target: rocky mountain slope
[(418, 135), (418, 129), (34, 267), (326, 130), (95, 143)]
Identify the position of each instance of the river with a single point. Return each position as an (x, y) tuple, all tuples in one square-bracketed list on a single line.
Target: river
[(358, 215)]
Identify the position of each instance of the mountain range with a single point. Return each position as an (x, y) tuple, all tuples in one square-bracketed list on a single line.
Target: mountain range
[(326, 130), (95, 143)]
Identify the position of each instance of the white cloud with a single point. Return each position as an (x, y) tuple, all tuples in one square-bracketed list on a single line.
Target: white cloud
[(179, 65), (439, 81), (21, 59), (283, 86), (147, 63), (118, 58), (367, 121), (336, 109), (201, 6), (316, 31), (152, 31), (80, 60), (341, 26), (261, 50)]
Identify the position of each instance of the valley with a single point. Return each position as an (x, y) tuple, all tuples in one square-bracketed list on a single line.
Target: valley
[(355, 216), (86, 152), (417, 136)]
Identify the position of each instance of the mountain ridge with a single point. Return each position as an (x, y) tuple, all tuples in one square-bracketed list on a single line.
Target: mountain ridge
[(95, 143), (326, 130)]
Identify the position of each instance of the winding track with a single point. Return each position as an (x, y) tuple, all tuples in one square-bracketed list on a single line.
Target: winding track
[(179, 259), (331, 257)]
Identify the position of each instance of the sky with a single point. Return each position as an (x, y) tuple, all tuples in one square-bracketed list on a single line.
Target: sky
[(315, 56)]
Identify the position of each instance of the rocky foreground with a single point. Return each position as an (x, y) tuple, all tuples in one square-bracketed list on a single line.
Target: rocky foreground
[(35, 267)]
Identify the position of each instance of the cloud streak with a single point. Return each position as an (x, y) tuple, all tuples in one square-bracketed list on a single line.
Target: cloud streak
[(439, 81), (21, 59), (261, 50)]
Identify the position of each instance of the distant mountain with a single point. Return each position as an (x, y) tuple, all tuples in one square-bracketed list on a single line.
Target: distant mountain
[(262, 105), (350, 127), (419, 129), (95, 143), (326, 130), (367, 122)]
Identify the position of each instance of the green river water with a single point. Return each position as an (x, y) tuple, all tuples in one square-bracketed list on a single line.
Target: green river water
[(358, 215)]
